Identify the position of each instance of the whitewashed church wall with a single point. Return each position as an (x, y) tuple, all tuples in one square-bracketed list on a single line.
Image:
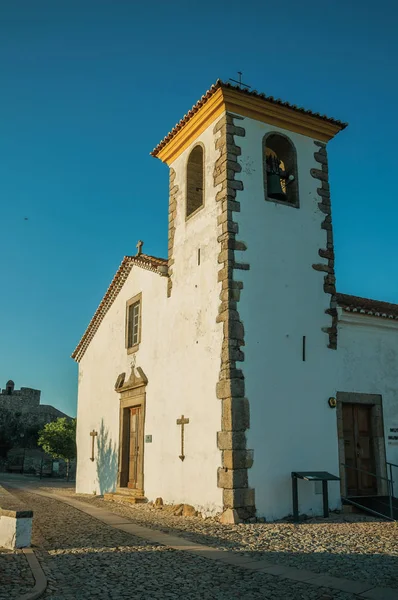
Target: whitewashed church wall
[(192, 350), (105, 358), (368, 357), (180, 355), (292, 427)]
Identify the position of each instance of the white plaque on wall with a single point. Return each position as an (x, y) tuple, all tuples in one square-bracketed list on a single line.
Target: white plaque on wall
[(393, 435)]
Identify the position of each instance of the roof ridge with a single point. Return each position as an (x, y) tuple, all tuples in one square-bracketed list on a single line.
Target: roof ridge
[(359, 304), (219, 84), (144, 256), (111, 293)]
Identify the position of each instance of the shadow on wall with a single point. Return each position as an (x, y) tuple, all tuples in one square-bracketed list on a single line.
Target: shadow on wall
[(107, 461)]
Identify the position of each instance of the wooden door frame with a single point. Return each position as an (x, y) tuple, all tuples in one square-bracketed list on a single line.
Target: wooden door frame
[(132, 395), (377, 425)]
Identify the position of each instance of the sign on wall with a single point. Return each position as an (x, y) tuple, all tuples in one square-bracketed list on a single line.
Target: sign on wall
[(393, 436)]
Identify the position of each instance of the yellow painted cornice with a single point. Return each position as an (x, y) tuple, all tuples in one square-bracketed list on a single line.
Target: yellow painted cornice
[(249, 105), (194, 126), (280, 116)]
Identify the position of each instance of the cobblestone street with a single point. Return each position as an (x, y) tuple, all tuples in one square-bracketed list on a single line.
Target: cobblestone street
[(86, 559), (15, 574), (358, 547), (354, 546)]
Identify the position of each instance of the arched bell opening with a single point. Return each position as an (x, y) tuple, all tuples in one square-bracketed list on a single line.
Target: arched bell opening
[(280, 170), (195, 180)]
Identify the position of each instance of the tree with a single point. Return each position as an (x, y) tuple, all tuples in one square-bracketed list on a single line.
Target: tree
[(59, 439)]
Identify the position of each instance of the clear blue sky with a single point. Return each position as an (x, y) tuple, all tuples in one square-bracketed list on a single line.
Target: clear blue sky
[(88, 88)]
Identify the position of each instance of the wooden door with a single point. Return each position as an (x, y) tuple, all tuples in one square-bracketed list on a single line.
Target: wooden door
[(134, 447), (358, 447)]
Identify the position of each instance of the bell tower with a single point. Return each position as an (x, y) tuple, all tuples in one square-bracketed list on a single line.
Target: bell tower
[(250, 202)]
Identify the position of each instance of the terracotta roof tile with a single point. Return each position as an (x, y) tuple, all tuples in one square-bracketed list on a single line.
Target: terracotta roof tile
[(145, 261), (366, 306), (224, 84)]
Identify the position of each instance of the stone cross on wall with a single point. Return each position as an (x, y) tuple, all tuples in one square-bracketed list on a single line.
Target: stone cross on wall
[(139, 247), (93, 434), (182, 422)]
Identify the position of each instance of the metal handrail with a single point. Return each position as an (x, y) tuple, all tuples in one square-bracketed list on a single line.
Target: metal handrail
[(390, 485), (391, 465), (367, 472)]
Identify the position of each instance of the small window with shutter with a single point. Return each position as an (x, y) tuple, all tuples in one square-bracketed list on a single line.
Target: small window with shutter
[(133, 323)]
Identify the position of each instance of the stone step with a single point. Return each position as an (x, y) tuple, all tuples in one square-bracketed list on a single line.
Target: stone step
[(126, 498), (129, 491)]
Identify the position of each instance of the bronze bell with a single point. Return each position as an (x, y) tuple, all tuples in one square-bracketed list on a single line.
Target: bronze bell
[(274, 187)]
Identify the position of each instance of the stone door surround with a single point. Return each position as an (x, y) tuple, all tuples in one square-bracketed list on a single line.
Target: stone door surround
[(132, 395)]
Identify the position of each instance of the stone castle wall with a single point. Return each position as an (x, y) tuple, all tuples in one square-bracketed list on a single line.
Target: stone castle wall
[(24, 405), (22, 400)]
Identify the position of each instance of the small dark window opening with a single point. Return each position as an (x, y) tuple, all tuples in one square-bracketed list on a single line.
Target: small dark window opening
[(195, 180), (10, 387), (280, 170)]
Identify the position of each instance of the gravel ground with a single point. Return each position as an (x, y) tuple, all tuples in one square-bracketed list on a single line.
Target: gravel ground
[(15, 574), (86, 559), (350, 546)]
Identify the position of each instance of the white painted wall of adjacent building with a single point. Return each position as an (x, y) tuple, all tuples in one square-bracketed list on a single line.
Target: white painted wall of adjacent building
[(368, 363), (292, 428), (180, 355)]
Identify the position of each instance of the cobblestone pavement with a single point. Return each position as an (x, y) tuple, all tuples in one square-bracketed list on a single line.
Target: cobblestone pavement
[(351, 546), (15, 574), (86, 559)]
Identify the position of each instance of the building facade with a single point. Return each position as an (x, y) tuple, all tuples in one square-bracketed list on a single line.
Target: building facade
[(209, 377)]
